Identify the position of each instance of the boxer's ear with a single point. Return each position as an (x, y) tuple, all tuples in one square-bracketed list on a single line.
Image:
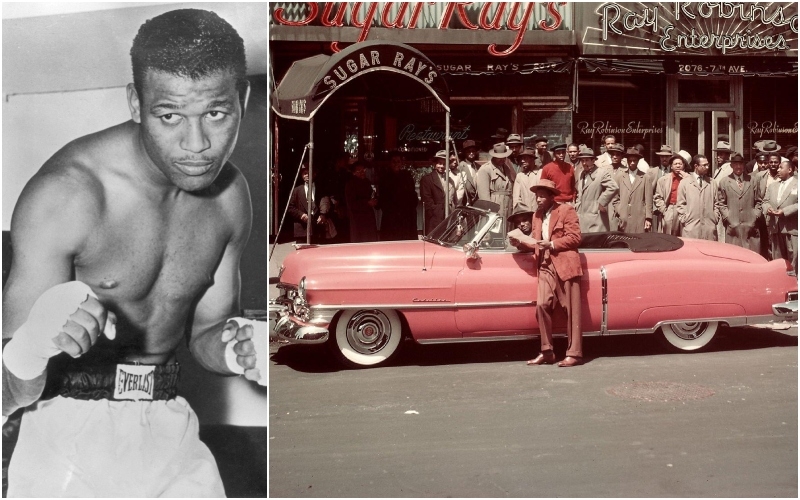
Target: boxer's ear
[(244, 97), (134, 104)]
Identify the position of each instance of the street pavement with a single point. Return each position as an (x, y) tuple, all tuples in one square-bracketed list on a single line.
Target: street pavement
[(472, 420)]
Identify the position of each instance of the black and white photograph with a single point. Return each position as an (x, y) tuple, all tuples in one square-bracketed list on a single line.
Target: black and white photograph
[(135, 236), (525, 249)]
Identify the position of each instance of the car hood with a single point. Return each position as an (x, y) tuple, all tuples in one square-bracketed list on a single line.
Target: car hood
[(361, 257)]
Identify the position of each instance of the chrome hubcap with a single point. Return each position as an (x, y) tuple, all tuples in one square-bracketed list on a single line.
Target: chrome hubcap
[(368, 331), (689, 331)]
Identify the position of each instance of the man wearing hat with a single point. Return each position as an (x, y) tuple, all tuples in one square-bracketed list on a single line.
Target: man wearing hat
[(697, 208), (557, 232), (758, 164), (665, 196), (771, 147), (633, 205), (496, 179), (523, 198), (596, 189), (432, 191), (521, 219), (739, 206), (469, 168), (543, 157), (654, 174), (723, 154), (562, 173), (499, 136), (514, 142), (791, 153), (780, 208)]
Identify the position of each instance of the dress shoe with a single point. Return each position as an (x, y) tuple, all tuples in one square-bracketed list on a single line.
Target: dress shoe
[(570, 361), (545, 358)]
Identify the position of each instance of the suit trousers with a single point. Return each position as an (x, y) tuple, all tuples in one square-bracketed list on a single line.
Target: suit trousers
[(784, 246), (567, 294)]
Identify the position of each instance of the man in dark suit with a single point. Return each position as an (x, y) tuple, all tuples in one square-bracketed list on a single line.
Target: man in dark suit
[(431, 189), (780, 208), (558, 234), (739, 204), (298, 210)]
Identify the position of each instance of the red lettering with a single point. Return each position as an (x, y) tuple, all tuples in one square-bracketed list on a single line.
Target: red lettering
[(373, 6), (412, 23), (326, 14), (520, 29), (496, 22), (557, 19), (398, 21), (447, 14), (312, 13)]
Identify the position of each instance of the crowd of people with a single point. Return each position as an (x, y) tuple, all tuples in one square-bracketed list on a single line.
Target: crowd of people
[(752, 203)]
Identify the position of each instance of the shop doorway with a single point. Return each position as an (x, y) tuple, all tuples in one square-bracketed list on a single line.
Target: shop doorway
[(704, 111)]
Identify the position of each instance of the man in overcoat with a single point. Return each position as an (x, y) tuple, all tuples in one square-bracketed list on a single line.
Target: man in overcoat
[(780, 208), (523, 198), (633, 205), (697, 209), (432, 192), (469, 168), (558, 234), (298, 210), (665, 197), (496, 180), (596, 189), (739, 205)]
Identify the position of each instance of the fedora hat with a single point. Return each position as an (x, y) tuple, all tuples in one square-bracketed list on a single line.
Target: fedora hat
[(615, 147), (546, 184), (520, 215), (633, 152), (665, 151), (500, 134), (586, 153), (558, 147), (686, 156), (500, 151), (761, 156), (757, 145), (527, 152), (469, 143), (791, 152), (539, 138), (736, 158), (723, 147), (441, 154), (514, 139), (770, 147)]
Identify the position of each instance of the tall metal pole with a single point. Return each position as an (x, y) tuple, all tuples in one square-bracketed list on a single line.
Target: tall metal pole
[(447, 163), (310, 180)]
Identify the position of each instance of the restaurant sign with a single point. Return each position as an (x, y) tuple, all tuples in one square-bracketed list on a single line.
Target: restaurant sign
[(698, 28), (518, 17)]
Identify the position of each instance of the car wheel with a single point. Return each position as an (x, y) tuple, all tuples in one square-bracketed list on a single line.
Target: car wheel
[(367, 337), (689, 336)]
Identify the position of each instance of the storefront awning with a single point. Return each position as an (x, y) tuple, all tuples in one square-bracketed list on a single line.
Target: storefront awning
[(623, 65), (311, 81), (695, 66)]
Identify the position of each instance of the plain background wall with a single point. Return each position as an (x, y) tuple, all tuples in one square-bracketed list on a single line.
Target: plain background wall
[(64, 76)]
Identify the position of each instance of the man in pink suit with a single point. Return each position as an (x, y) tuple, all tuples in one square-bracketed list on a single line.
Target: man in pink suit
[(557, 232)]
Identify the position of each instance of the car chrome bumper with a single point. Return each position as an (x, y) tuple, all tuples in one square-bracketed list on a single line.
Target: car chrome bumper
[(286, 327), (787, 311)]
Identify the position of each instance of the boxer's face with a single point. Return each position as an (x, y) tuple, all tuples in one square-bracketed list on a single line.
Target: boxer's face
[(572, 151), (188, 127)]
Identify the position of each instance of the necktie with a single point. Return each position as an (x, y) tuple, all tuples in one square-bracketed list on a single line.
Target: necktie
[(739, 180)]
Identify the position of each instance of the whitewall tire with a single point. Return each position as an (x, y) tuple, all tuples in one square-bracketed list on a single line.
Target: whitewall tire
[(367, 337), (689, 336)]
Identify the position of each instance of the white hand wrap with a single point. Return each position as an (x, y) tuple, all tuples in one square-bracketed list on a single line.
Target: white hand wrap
[(260, 342), (27, 353)]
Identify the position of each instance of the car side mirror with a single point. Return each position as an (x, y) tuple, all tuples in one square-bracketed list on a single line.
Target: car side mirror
[(471, 251)]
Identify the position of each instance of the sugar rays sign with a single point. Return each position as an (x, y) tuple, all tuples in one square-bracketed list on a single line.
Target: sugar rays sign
[(698, 28)]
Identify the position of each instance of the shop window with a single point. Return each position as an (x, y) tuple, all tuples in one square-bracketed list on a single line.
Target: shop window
[(770, 111), (554, 125), (712, 91)]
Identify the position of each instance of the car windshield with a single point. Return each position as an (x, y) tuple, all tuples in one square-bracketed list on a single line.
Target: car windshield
[(460, 227)]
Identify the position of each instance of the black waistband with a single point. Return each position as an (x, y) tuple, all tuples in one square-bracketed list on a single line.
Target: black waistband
[(97, 382)]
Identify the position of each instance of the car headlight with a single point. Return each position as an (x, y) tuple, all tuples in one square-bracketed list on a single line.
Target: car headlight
[(301, 288)]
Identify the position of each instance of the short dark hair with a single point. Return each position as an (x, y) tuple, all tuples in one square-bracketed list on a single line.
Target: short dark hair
[(697, 158), (608, 136), (190, 43)]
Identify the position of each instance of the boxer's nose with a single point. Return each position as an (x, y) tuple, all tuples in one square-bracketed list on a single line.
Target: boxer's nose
[(195, 139)]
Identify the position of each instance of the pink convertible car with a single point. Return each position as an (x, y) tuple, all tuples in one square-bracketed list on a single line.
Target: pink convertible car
[(463, 283)]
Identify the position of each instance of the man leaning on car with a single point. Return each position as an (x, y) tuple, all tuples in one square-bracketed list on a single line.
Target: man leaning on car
[(557, 232)]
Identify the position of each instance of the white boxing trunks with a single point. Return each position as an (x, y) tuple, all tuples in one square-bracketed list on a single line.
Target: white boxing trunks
[(73, 448)]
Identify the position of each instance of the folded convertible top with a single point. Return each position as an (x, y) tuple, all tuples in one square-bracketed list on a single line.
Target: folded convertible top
[(636, 242)]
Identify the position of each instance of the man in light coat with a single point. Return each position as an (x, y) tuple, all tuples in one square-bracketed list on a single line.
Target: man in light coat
[(655, 173), (596, 188), (739, 206), (633, 205), (780, 208), (469, 167), (697, 209), (496, 180), (528, 176)]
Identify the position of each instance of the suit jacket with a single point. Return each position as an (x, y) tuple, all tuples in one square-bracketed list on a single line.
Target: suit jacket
[(661, 196), (697, 208), (634, 203), (298, 206), (739, 209), (432, 193), (497, 185), (600, 189), (786, 223), (470, 169), (565, 233), (523, 199)]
